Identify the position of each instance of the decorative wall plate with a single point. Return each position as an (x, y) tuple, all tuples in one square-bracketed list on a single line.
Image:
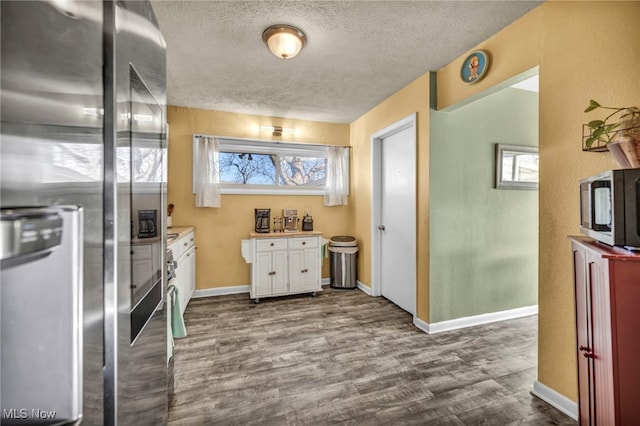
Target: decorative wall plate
[(474, 67)]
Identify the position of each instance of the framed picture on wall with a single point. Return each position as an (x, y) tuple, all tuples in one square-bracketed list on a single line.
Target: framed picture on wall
[(517, 167), (474, 67)]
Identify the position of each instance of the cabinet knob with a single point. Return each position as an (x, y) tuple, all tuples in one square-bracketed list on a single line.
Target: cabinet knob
[(304, 242), (272, 273), (271, 244), (186, 244), (586, 351), (191, 239)]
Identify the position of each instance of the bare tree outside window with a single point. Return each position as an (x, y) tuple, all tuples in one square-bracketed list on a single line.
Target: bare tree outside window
[(302, 171), (247, 168), (260, 169)]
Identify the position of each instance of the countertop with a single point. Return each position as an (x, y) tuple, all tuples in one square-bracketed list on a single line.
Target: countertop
[(176, 232), (606, 251), (283, 234)]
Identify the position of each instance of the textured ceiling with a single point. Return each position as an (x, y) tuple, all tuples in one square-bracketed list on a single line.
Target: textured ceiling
[(358, 53)]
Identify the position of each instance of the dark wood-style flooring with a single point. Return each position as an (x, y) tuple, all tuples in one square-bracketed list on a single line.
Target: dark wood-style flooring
[(346, 358)]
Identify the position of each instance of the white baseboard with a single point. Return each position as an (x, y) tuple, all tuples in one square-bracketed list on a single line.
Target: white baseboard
[(559, 401), (364, 288), (464, 322), (326, 281), (219, 291)]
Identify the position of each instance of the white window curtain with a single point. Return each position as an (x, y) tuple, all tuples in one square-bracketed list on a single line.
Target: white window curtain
[(336, 189), (207, 176)]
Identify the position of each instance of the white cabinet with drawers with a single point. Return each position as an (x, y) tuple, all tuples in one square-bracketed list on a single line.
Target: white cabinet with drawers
[(184, 253), (284, 264)]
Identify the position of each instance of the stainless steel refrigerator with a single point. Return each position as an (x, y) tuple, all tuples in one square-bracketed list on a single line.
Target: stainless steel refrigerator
[(82, 193)]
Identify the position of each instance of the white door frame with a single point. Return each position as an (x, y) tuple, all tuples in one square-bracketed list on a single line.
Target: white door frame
[(376, 199)]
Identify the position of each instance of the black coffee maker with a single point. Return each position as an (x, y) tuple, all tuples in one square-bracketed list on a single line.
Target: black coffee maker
[(307, 222), (262, 220), (147, 221)]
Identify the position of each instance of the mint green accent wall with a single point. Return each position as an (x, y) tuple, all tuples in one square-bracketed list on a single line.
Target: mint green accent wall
[(483, 241)]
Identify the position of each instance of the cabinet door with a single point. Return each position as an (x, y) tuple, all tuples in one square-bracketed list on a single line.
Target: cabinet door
[(263, 274), (304, 270), (312, 269), (598, 278), (191, 267), (279, 281), (181, 277), (624, 279), (296, 271), (583, 327)]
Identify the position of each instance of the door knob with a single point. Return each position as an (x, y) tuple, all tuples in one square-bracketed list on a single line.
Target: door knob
[(381, 227)]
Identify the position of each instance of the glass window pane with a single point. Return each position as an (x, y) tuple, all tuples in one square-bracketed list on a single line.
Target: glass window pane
[(296, 170), (247, 168), (526, 168), (507, 166)]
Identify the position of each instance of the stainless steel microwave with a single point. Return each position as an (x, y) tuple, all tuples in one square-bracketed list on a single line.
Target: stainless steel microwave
[(610, 207)]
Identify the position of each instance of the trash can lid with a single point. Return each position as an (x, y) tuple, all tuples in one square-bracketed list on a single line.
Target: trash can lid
[(345, 250), (343, 241)]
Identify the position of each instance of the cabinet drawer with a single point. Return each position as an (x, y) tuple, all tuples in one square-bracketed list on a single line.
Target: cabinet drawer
[(181, 245), (302, 243), (271, 244), (142, 251)]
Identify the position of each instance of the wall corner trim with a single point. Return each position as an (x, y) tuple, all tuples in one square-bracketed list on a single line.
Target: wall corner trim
[(220, 291), (464, 322), (559, 401), (364, 288), (422, 325)]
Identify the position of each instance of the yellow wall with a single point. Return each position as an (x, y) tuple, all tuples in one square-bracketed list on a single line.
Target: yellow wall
[(585, 50), (219, 231), (412, 98)]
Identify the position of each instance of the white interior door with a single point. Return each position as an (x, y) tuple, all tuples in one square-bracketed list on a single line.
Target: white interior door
[(397, 218)]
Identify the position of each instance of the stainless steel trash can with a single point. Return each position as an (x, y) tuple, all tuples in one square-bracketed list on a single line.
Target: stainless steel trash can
[(343, 251)]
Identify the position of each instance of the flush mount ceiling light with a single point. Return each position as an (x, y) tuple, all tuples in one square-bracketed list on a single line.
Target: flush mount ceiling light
[(284, 41)]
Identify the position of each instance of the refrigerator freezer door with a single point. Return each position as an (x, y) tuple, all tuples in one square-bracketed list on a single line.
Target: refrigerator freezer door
[(41, 316), (51, 150)]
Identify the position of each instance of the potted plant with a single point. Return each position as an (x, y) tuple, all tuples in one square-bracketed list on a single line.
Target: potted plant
[(619, 131)]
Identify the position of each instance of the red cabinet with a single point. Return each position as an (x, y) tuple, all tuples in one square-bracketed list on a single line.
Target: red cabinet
[(607, 291)]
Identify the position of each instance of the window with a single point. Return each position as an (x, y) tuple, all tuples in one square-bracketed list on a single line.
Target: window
[(257, 167)]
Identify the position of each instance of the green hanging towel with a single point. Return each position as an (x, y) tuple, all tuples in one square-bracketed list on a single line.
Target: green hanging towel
[(178, 329)]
